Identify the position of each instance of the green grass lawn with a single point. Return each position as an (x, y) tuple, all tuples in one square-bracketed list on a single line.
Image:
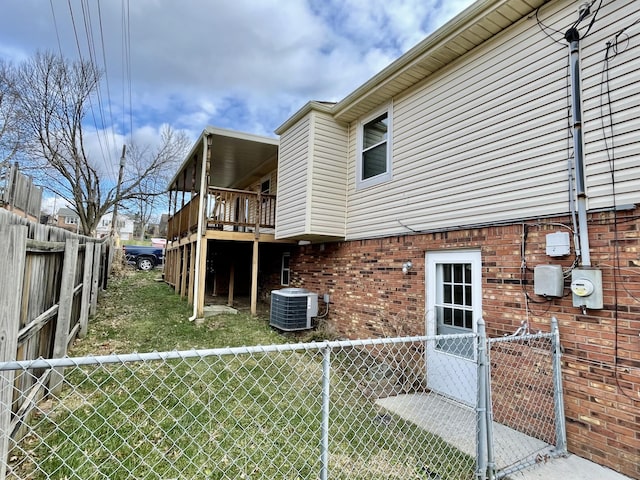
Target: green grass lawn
[(139, 313), (222, 417)]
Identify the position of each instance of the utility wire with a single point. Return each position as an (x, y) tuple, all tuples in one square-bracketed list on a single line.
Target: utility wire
[(106, 72), (605, 97), (55, 26), (126, 67), (100, 130), (544, 28), (81, 56), (593, 18)]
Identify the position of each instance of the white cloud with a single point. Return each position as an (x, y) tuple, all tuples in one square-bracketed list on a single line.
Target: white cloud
[(241, 64)]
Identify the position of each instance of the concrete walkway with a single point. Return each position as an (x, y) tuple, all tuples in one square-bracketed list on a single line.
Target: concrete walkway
[(456, 424), (569, 468), (211, 310)]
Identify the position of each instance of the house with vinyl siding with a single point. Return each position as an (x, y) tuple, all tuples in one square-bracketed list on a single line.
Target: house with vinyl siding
[(458, 168), (221, 244)]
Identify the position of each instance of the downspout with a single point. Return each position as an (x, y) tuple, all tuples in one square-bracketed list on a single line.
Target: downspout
[(203, 185), (573, 37)]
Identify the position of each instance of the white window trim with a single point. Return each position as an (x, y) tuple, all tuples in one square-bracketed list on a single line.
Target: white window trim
[(262, 181), (283, 269), (474, 257), (388, 174)]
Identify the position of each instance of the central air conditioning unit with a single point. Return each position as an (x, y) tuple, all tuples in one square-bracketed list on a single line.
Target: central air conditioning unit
[(293, 308)]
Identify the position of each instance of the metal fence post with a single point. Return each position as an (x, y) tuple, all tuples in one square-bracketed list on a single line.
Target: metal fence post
[(558, 397), (324, 440), (481, 404), (491, 462)]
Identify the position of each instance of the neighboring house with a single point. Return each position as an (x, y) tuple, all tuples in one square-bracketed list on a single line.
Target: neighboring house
[(445, 189), (124, 226), (47, 219), (68, 219), (224, 244)]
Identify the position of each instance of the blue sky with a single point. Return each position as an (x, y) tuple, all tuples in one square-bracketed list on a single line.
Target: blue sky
[(240, 64)]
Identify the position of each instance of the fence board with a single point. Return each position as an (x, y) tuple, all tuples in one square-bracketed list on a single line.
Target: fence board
[(95, 279), (61, 339), (20, 194), (46, 294), (86, 289), (12, 260), (33, 327)]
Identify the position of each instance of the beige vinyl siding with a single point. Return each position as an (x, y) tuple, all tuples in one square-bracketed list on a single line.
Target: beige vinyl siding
[(624, 92), (484, 140), (329, 177), (312, 172), (256, 185), (291, 202)]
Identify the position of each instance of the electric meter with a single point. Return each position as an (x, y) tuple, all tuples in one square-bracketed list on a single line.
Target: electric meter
[(582, 287), (586, 286)]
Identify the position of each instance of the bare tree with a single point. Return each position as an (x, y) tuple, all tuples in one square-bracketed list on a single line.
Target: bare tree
[(10, 124), (151, 197), (55, 97)]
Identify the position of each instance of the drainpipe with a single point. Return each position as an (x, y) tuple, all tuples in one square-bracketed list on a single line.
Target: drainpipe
[(203, 185), (573, 37)]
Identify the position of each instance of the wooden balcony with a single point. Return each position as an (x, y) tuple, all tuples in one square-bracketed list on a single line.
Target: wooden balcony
[(227, 210)]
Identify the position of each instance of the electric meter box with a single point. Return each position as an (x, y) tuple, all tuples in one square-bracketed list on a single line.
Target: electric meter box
[(548, 280), (558, 244), (586, 287)]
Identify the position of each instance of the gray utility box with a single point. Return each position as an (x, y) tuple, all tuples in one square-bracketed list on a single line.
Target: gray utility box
[(548, 280), (558, 244)]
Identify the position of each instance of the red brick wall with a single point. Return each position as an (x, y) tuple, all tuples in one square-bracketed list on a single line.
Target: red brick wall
[(370, 296)]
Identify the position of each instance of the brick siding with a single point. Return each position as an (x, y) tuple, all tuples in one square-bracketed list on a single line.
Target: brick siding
[(370, 296)]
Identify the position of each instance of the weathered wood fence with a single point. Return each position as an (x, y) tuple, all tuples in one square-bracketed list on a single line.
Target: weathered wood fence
[(18, 192), (49, 284)]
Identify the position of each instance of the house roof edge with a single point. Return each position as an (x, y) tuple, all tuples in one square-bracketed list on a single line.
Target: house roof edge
[(465, 20), (326, 107)]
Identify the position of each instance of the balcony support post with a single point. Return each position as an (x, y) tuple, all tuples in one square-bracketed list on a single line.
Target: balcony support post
[(254, 277)]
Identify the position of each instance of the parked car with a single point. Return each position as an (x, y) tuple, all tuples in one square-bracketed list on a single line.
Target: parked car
[(145, 258)]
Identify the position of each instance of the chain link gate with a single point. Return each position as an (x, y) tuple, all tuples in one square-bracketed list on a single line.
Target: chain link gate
[(340, 410), (521, 383)]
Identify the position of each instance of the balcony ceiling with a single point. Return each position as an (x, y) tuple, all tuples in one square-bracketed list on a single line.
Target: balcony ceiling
[(237, 160)]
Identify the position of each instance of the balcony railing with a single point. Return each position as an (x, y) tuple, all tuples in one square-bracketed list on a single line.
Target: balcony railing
[(226, 210)]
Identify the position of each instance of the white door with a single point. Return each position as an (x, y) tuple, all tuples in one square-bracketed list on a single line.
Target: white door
[(454, 304)]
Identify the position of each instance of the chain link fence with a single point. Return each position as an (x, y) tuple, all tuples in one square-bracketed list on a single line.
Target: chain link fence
[(526, 401), (340, 410)]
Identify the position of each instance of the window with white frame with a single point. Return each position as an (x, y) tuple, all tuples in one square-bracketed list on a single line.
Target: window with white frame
[(285, 271), (374, 149), (454, 302), (455, 295), (71, 220)]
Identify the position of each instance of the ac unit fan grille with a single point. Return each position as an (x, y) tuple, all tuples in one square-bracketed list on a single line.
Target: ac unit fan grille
[(289, 312)]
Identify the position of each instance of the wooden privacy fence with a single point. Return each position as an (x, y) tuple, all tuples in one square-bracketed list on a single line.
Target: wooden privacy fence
[(49, 283), (18, 192)]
